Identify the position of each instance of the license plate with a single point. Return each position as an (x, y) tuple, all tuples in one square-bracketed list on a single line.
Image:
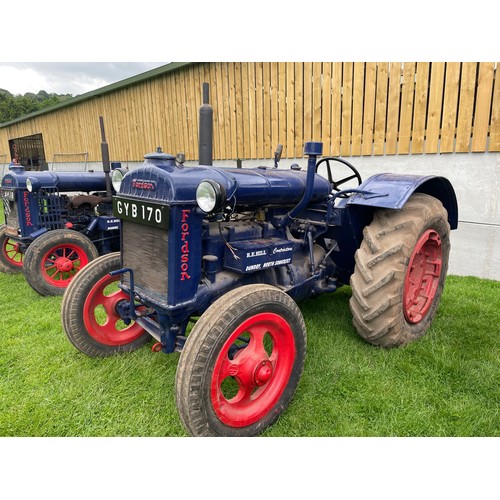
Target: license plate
[(7, 194), (141, 212)]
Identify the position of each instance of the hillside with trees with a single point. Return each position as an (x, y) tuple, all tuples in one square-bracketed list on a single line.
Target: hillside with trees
[(15, 106)]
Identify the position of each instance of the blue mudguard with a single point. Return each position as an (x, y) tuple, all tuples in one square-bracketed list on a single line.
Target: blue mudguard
[(393, 191)]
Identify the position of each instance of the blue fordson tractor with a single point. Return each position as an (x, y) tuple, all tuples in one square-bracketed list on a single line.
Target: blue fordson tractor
[(233, 250), (56, 223)]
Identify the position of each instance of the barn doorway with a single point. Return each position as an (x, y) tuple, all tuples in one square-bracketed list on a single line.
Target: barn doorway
[(29, 152)]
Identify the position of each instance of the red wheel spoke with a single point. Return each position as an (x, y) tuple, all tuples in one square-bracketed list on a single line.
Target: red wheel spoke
[(242, 397), (71, 253), (108, 302), (256, 346)]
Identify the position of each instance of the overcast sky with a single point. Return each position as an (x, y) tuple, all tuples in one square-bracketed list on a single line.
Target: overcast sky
[(67, 77), (366, 31)]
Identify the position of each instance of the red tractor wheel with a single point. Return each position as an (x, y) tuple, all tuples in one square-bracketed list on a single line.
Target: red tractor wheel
[(11, 257), (53, 259), (241, 363), (400, 272), (89, 314)]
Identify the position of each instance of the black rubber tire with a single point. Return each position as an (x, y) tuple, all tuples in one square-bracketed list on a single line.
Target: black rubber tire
[(33, 258), (205, 347), (6, 266), (382, 269), (74, 314)]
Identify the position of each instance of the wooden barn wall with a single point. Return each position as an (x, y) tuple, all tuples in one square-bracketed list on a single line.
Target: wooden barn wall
[(355, 109)]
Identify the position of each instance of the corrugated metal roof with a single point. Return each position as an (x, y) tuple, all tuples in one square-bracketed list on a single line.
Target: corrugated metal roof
[(133, 80)]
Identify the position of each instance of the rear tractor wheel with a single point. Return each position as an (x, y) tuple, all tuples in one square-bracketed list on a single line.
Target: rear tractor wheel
[(400, 272), (53, 260), (11, 257), (241, 363)]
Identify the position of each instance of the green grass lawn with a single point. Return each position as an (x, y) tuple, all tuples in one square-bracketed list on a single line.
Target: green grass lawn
[(446, 384)]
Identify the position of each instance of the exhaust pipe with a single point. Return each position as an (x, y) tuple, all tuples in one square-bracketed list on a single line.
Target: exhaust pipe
[(206, 129), (106, 166)]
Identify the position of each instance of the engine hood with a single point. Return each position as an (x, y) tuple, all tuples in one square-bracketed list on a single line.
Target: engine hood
[(161, 179), (64, 181)]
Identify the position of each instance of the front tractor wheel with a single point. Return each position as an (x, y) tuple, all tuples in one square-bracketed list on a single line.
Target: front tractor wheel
[(11, 257), (400, 272), (241, 363), (89, 311), (53, 259)]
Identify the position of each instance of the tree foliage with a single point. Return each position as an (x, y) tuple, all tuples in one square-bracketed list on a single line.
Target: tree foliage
[(15, 106)]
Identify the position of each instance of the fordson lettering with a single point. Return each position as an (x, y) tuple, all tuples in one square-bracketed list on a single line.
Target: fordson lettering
[(27, 212), (143, 184), (185, 245), (141, 212)]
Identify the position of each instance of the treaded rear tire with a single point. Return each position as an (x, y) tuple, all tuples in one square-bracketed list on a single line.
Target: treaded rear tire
[(382, 273)]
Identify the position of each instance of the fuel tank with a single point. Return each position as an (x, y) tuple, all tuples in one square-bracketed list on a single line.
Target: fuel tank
[(161, 179)]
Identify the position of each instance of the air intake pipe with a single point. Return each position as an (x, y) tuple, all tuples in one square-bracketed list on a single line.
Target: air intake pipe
[(312, 150)]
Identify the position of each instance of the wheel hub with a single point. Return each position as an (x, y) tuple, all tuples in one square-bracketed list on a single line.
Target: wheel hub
[(422, 279), (263, 373), (63, 264)]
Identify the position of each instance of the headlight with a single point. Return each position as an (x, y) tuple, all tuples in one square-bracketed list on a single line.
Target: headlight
[(32, 184), (210, 196), (117, 177)]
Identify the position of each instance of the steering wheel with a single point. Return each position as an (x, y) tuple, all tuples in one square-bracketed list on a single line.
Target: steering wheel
[(337, 183)]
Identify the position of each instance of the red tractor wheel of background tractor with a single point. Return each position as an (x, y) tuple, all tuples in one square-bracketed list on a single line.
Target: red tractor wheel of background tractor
[(89, 314), (53, 260), (241, 363), (11, 257), (400, 272)]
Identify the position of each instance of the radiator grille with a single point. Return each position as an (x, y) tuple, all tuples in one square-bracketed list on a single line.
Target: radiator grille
[(145, 251), (11, 217), (50, 209)]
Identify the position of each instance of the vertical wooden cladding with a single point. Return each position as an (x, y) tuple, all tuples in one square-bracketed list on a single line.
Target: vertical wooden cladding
[(434, 109), (354, 108), (466, 107), (450, 108), (494, 144), (482, 106)]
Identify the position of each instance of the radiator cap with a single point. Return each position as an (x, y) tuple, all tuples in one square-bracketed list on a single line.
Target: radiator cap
[(159, 156)]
